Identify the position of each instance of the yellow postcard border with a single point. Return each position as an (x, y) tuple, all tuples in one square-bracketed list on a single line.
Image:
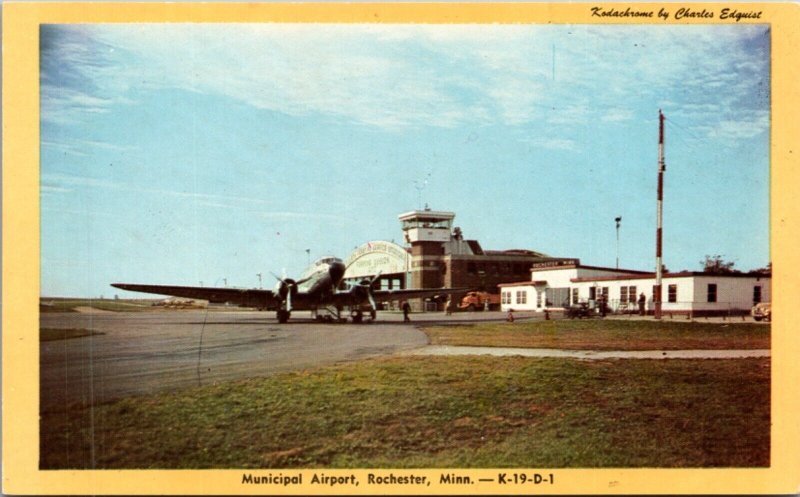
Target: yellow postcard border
[(20, 224)]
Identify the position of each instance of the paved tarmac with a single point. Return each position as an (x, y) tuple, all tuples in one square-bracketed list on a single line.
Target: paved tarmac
[(145, 352), (151, 351)]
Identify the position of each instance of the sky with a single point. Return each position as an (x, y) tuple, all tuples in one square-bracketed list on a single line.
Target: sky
[(189, 153)]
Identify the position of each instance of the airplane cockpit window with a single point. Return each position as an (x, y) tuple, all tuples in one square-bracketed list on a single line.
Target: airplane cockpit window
[(327, 260)]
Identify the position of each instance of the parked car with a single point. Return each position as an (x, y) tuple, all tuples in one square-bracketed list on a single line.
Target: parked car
[(579, 311), (761, 311)]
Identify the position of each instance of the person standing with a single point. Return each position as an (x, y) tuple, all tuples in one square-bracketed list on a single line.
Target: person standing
[(406, 310), (642, 301), (448, 306)]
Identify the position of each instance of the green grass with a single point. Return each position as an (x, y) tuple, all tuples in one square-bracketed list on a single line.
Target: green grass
[(69, 305), (437, 412), (52, 334), (609, 334)]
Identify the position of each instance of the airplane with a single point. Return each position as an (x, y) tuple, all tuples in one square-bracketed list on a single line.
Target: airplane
[(316, 291)]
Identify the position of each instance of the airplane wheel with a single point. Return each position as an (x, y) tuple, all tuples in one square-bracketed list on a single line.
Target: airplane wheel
[(358, 317), (283, 316), (373, 315)]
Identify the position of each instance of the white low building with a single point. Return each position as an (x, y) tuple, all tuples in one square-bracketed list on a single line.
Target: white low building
[(556, 286)]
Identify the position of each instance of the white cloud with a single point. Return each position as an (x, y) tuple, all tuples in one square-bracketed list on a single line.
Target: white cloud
[(44, 189), (618, 115), (84, 148), (746, 127), (553, 143), (66, 183), (395, 76), (60, 180), (286, 215)]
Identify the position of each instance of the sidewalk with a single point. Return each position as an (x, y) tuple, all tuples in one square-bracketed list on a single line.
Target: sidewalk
[(683, 318), (447, 350)]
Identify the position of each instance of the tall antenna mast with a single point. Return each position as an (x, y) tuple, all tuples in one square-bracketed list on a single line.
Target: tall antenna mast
[(659, 215), (618, 220), (420, 185)]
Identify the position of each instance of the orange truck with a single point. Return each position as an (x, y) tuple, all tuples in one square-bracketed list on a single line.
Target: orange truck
[(478, 301)]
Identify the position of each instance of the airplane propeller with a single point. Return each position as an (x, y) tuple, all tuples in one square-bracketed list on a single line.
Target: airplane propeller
[(286, 287), (366, 286)]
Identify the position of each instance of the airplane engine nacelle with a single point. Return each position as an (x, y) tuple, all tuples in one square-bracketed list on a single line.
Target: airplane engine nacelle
[(285, 286), (362, 289)]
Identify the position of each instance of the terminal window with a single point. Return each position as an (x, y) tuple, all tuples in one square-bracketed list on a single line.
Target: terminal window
[(556, 296), (627, 294), (712, 292), (756, 294), (672, 293)]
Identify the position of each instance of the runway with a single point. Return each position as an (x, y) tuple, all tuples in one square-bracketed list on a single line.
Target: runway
[(147, 352)]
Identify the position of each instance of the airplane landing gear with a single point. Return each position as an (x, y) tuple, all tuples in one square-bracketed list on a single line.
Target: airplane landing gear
[(357, 316), (283, 315)]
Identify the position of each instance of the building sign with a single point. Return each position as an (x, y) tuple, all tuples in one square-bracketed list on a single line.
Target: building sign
[(553, 264), (374, 257)]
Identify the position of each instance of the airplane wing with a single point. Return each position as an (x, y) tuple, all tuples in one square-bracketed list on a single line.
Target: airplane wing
[(248, 297), (384, 295)]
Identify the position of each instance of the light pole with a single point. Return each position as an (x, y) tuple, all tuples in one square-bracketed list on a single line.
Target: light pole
[(259, 279), (618, 220)]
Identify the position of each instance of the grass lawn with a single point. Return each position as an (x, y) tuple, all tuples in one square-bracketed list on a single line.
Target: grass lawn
[(608, 334), (437, 412), (52, 334)]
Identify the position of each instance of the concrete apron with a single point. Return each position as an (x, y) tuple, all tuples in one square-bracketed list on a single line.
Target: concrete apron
[(446, 350)]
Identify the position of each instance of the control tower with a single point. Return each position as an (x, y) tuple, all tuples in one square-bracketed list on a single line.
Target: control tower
[(427, 231)]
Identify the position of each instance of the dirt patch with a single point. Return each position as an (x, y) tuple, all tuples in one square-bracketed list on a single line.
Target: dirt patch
[(91, 310)]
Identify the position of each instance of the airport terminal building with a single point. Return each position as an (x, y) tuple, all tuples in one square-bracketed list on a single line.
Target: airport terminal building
[(556, 286), (437, 255)]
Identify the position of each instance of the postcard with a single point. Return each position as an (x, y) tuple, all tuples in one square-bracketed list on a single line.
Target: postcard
[(398, 248)]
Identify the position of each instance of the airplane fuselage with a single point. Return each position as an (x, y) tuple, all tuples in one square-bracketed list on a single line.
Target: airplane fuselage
[(324, 279)]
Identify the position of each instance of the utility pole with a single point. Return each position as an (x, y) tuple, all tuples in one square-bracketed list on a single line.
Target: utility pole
[(659, 215), (618, 220), (259, 279)]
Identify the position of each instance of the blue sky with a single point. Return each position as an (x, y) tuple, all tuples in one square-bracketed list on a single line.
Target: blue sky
[(195, 152)]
